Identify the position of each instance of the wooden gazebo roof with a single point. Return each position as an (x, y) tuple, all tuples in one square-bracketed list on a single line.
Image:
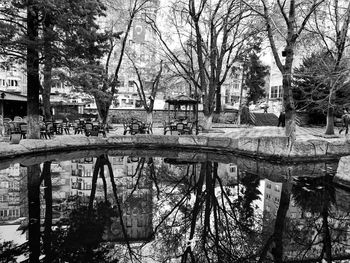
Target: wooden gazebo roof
[(181, 100)]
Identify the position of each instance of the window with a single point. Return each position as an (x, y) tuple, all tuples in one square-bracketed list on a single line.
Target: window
[(276, 92), (277, 200), (131, 83), (268, 196), (233, 168), (277, 188), (268, 186)]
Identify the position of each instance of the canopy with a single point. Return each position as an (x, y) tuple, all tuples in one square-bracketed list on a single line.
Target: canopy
[(181, 100)]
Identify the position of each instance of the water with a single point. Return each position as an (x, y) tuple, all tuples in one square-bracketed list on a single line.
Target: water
[(152, 206)]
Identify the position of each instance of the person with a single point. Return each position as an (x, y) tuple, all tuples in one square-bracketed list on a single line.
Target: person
[(345, 121), (265, 107), (282, 119)]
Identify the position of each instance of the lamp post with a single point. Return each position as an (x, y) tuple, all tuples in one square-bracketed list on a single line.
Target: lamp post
[(241, 96), (2, 96)]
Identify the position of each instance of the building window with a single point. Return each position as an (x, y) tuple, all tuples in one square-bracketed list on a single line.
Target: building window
[(276, 92), (233, 168), (268, 186), (277, 188), (277, 200), (131, 83)]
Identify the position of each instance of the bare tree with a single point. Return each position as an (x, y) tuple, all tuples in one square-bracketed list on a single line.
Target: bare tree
[(129, 14), (330, 26), (147, 83), (210, 38), (295, 15)]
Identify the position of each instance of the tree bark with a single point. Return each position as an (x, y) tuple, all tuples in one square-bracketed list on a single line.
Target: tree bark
[(33, 81), (48, 60)]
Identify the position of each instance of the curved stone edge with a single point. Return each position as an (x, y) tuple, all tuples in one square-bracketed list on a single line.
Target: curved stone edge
[(263, 146)]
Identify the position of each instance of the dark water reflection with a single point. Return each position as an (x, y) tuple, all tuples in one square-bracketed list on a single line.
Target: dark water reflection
[(185, 207)]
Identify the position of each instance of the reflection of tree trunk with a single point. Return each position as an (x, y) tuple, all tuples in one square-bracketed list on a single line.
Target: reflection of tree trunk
[(46, 173), (104, 186), (33, 186), (195, 212), (120, 212), (93, 184), (277, 251), (327, 249)]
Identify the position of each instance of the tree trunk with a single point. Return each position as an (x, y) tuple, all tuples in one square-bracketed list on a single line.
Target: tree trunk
[(47, 83), (330, 113), (288, 95), (33, 186), (149, 117), (218, 100), (207, 121), (103, 105), (33, 81), (277, 251)]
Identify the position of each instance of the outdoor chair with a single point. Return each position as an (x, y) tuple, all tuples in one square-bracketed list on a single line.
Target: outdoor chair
[(166, 127), (12, 129), (65, 127), (78, 127), (126, 126), (43, 131), (88, 128), (148, 128), (135, 128), (23, 128), (101, 128), (50, 130), (180, 128), (188, 128)]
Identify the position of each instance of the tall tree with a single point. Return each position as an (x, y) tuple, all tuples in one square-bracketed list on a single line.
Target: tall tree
[(33, 80), (311, 88), (255, 77), (210, 37), (127, 13), (330, 25), (148, 84), (292, 16), (70, 34)]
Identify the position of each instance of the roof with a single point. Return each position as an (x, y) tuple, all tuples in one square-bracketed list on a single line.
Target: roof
[(12, 96), (181, 99)]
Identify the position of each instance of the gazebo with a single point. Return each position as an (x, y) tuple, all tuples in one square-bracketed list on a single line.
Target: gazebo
[(181, 107)]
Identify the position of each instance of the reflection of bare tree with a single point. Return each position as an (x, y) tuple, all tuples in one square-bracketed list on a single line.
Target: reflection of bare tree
[(316, 196), (33, 187), (205, 218)]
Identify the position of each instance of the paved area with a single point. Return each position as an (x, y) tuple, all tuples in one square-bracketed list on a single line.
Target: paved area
[(302, 133)]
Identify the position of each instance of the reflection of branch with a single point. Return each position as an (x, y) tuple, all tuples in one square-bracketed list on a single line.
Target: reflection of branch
[(46, 173), (114, 187), (93, 184), (152, 175), (139, 168), (195, 212)]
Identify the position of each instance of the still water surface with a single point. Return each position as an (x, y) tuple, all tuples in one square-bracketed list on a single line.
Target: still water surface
[(171, 207)]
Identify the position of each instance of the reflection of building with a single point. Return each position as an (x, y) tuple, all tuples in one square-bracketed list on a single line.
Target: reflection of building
[(271, 196), (11, 196), (228, 174), (134, 190), (304, 226)]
